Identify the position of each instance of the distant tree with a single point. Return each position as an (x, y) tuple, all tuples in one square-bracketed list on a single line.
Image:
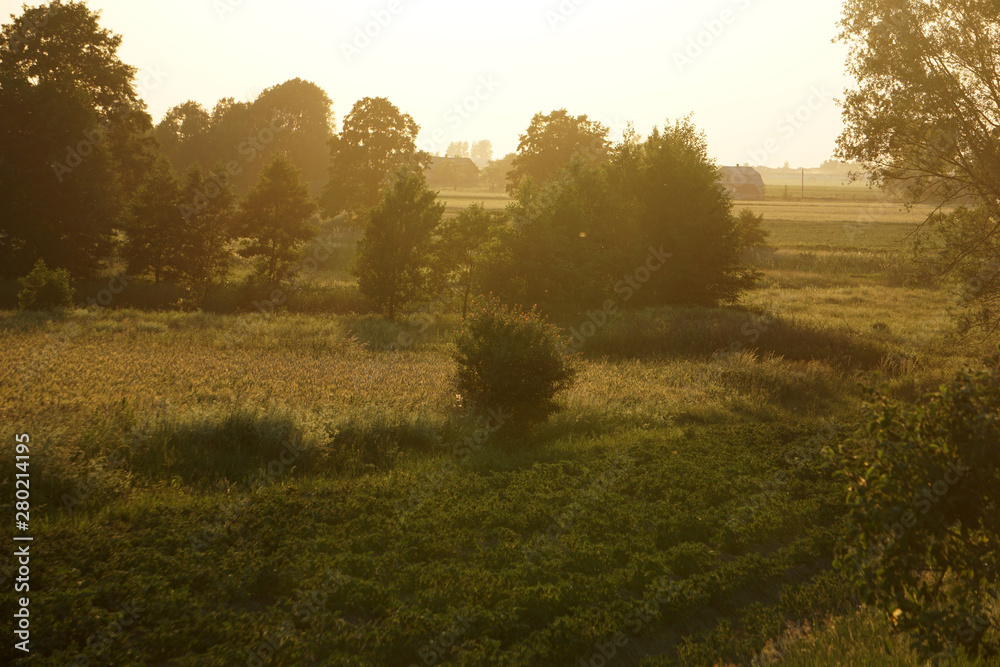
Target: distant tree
[(299, 114), (924, 120), (460, 244), (377, 139), (552, 141), (275, 218), (496, 173), (394, 256), (209, 218), (183, 134), (750, 227), (154, 226), (482, 153), (74, 138), (457, 149)]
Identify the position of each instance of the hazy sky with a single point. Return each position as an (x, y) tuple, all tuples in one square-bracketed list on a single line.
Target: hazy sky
[(759, 76)]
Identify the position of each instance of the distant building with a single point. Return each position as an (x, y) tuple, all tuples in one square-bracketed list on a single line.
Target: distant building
[(742, 183), (452, 172)]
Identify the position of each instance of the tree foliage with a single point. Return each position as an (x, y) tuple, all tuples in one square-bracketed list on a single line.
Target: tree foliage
[(44, 288), (154, 226), (459, 248), (74, 138), (923, 538), (275, 219), (377, 139), (511, 362), (924, 119), (394, 255), (552, 141)]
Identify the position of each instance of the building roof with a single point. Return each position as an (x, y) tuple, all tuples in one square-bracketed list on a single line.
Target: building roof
[(741, 176)]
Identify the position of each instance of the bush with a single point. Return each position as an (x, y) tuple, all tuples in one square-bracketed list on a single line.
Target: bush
[(510, 362), (923, 535), (44, 288)]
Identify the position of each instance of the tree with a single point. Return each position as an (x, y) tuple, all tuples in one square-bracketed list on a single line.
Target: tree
[(275, 217), (680, 206), (208, 211), (750, 228), (59, 188), (377, 139), (154, 226), (457, 149), (69, 105), (482, 153), (924, 120), (393, 262), (301, 115), (564, 245), (460, 244), (923, 524), (552, 141), (44, 289), (497, 172), (183, 135)]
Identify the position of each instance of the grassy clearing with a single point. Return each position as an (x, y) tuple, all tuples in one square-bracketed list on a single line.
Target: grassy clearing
[(285, 489)]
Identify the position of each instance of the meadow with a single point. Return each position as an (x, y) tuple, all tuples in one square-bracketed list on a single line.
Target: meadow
[(294, 489)]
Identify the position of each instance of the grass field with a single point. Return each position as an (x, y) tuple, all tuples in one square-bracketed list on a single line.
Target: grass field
[(282, 490)]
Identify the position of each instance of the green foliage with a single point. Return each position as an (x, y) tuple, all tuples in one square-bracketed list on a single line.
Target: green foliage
[(44, 288), (377, 140), (458, 248), (239, 138), (394, 258), (938, 141), (274, 218), (922, 540), (551, 142), (208, 208), (681, 206), (750, 228), (565, 246), (155, 226), (510, 362)]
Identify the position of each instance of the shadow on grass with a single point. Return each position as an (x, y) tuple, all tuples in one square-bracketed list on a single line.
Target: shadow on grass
[(701, 332)]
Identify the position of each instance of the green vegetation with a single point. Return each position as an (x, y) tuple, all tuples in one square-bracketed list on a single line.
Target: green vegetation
[(511, 363), (44, 289)]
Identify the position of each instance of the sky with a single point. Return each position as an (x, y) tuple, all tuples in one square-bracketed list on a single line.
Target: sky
[(759, 77)]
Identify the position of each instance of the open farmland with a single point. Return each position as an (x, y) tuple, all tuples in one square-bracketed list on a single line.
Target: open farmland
[(281, 488)]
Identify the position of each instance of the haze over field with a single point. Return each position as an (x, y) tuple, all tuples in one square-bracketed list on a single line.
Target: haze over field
[(760, 76)]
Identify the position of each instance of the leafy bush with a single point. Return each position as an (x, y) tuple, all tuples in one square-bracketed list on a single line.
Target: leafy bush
[(923, 536), (44, 288), (510, 362), (750, 228)]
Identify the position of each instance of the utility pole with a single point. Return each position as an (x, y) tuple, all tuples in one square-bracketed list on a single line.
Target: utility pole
[(803, 182)]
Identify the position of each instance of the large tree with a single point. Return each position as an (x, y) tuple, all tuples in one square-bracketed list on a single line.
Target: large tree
[(208, 210), (552, 141), (71, 104), (924, 120), (394, 256), (183, 134), (377, 139), (154, 226), (275, 219)]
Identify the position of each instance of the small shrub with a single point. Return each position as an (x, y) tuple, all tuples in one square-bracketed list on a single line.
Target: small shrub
[(510, 361), (750, 227), (44, 288), (923, 535)]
